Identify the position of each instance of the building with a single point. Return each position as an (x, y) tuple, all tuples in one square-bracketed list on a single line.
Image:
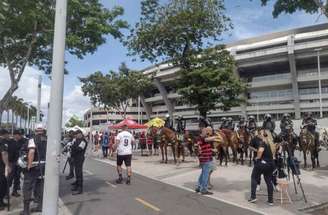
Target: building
[(281, 71)]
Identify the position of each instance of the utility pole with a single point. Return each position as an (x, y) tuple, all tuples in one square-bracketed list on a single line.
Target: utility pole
[(51, 181), (38, 118), (28, 119)]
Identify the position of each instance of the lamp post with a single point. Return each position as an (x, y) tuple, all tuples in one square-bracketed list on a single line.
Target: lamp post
[(51, 181), (319, 78)]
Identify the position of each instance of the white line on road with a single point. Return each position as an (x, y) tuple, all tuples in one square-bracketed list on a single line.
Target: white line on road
[(147, 204), (110, 184), (188, 189), (88, 172)]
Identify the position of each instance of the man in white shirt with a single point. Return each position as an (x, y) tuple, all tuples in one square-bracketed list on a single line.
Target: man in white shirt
[(123, 145)]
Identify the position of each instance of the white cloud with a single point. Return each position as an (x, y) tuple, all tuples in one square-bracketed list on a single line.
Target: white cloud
[(74, 102)]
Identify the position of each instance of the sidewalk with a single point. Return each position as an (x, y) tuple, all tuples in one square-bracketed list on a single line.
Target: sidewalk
[(232, 184)]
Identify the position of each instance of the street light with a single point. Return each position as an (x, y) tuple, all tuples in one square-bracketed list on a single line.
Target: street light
[(319, 77)]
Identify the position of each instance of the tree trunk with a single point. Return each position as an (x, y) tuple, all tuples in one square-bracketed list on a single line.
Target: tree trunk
[(7, 117), (1, 117), (12, 121), (20, 121)]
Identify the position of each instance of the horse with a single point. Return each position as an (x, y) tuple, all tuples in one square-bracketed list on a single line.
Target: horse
[(240, 142), (221, 144), (287, 143), (307, 145), (168, 137), (229, 136), (189, 143)]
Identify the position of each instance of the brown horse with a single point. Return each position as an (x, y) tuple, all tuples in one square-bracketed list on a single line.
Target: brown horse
[(307, 145), (168, 138), (231, 143), (221, 143), (240, 141)]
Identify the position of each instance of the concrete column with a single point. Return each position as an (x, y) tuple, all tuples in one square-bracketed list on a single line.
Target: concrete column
[(243, 106), (163, 92), (146, 107), (293, 71)]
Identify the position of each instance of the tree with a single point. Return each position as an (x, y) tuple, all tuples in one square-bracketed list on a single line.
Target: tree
[(291, 6), (26, 34), (183, 32), (115, 90), (74, 121)]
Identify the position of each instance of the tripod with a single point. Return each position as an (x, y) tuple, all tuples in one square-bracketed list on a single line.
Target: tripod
[(293, 165)]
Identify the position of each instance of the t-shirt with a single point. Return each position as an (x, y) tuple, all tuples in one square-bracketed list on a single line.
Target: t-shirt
[(125, 139), (267, 154), (206, 151)]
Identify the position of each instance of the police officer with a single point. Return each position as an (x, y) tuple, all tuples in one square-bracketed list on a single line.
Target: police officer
[(168, 122), (4, 166), (33, 155), (224, 123), (284, 123), (242, 123), (251, 125), (263, 164), (79, 148), (230, 125), (310, 124), (270, 125), (181, 125), (67, 149), (14, 148)]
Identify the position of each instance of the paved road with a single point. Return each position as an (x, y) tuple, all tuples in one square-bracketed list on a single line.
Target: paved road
[(144, 196)]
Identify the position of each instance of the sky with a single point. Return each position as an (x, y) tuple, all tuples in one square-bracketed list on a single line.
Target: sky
[(249, 19)]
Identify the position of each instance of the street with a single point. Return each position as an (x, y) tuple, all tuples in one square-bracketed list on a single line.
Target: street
[(144, 196)]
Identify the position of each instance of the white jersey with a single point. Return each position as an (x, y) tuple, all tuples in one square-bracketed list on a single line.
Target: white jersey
[(125, 139)]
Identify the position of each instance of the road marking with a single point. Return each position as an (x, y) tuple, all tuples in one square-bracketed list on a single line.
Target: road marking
[(147, 204), (88, 172), (110, 184), (189, 189)]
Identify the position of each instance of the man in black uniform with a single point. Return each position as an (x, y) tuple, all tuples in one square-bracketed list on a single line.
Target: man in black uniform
[(79, 148), (13, 149), (251, 125), (270, 125), (230, 124), (224, 123), (310, 124), (4, 166), (263, 164), (181, 125), (168, 122), (284, 123), (242, 123), (33, 153)]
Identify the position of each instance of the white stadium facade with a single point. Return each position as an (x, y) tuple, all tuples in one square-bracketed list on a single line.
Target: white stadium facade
[(283, 72)]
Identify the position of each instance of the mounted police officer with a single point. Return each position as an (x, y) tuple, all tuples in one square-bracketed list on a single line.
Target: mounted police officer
[(310, 124), (32, 160), (181, 125), (270, 125), (224, 123), (79, 148), (230, 124), (4, 166), (242, 124), (168, 122), (251, 125), (285, 123)]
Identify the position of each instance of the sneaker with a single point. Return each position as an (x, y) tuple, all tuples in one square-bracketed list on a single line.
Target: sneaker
[(128, 181), (119, 181), (197, 190), (270, 203), (206, 193), (258, 188), (252, 200)]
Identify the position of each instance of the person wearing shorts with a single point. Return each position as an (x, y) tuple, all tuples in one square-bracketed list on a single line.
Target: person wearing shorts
[(123, 145)]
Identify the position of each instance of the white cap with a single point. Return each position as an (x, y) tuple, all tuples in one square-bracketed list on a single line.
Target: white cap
[(40, 126)]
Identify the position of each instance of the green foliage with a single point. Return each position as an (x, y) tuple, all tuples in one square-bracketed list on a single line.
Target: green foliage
[(27, 29), (210, 83), (291, 6), (74, 121), (183, 32), (176, 30), (115, 90)]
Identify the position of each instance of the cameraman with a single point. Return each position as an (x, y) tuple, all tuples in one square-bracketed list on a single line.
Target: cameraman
[(263, 164)]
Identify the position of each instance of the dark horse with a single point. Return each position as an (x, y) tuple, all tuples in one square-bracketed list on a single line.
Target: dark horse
[(168, 138), (307, 145)]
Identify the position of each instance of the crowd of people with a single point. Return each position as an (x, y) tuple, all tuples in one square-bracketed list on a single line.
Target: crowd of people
[(22, 155)]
